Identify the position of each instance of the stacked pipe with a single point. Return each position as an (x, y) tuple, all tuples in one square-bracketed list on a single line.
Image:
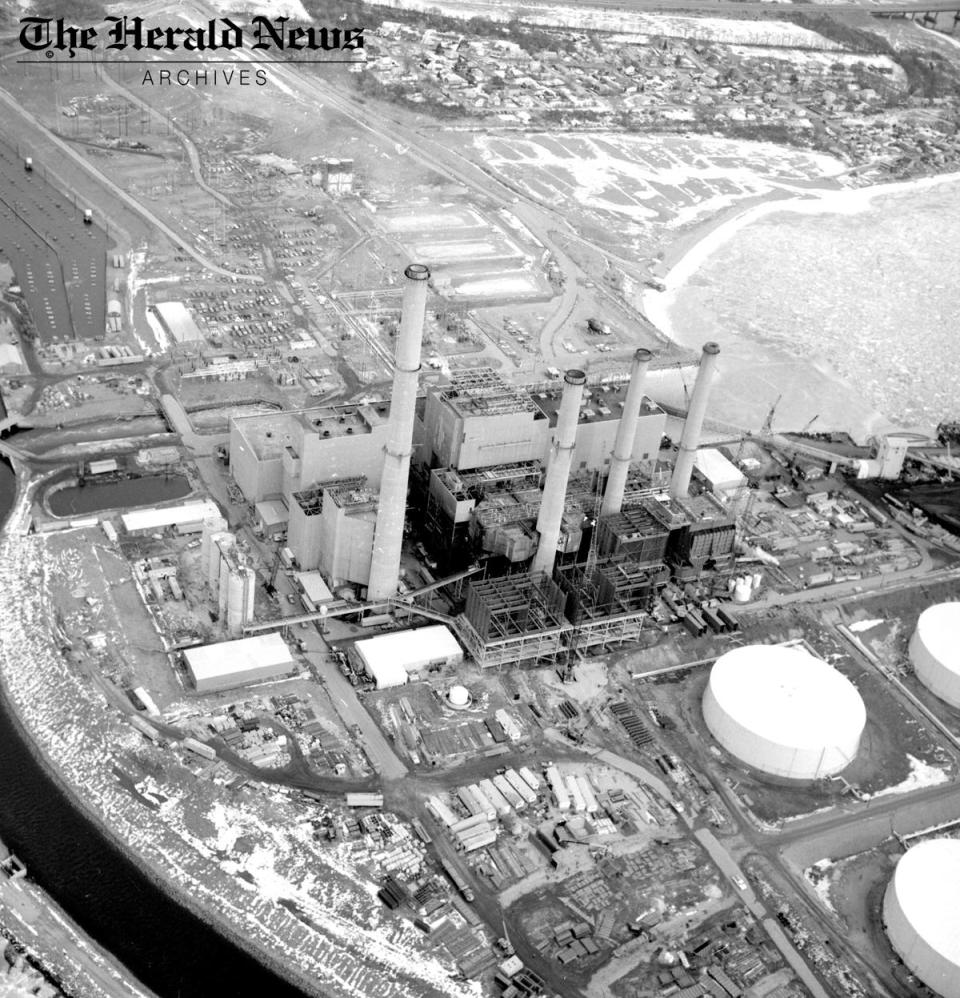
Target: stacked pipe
[(558, 472), (690, 438), (626, 434), (388, 533)]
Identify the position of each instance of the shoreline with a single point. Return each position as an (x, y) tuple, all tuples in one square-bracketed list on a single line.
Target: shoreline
[(685, 257), (24, 486), (309, 953), (145, 865)]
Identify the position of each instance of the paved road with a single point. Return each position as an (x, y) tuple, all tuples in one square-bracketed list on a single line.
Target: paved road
[(643, 775), (729, 868)]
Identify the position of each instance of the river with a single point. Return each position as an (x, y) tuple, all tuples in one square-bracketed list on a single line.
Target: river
[(169, 949)]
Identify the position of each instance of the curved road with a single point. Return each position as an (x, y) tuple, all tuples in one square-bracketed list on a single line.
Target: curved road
[(188, 144)]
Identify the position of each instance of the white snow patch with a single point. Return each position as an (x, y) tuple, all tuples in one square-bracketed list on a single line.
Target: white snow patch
[(921, 775), (818, 876), (865, 625)]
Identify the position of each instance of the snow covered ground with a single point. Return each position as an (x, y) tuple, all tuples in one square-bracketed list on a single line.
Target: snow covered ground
[(666, 180), (330, 928), (818, 876)]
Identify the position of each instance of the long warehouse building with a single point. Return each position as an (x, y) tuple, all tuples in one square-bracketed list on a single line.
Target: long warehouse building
[(229, 664)]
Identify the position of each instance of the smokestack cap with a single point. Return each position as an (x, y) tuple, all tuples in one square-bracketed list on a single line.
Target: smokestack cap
[(711, 347), (575, 377), (643, 355), (417, 272)]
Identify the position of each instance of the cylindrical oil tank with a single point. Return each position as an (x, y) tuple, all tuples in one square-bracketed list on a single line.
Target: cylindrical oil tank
[(935, 651), (921, 913)]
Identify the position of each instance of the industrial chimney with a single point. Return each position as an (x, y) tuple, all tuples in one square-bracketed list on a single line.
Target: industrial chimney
[(558, 471), (388, 533), (626, 434), (690, 438)]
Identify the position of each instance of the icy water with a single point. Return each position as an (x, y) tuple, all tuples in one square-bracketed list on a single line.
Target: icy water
[(127, 493), (7, 488), (865, 291)]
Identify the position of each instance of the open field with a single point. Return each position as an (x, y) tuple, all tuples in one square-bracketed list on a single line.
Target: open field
[(635, 189), (469, 253)]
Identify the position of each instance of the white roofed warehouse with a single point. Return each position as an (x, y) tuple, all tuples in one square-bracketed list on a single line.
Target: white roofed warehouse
[(390, 658), (921, 913), (228, 664), (783, 712), (935, 651)]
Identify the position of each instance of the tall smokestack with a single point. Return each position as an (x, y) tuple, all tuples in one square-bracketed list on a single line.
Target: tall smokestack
[(690, 438), (388, 534), (558, 471), (626, 434)]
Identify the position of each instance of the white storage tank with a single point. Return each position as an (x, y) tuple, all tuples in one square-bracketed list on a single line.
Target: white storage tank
[(921, 913), (935, 651), (783, 712), (459, 696)]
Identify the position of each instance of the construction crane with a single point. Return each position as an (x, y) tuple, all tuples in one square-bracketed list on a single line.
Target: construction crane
[(767, 429), (812, 421), (683, 381)]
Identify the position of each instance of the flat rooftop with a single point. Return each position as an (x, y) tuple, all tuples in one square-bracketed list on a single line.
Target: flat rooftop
[(160, 517), (703, 507), (178, 321), (354, 499), (482, 391), (600, 402), (270, 434), (229, 658), (311, 500)]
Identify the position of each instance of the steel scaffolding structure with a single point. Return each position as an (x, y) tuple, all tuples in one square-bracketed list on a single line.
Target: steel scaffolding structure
[(513, 619)]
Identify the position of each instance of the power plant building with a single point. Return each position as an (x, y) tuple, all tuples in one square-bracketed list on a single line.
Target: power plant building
[(935, 651), (921, 913), (390, 658), (332, 528), (481, 421), (783, 712), (276, 454), (229, 664)]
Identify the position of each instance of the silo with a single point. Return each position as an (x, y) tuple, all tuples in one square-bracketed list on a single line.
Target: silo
[(240, 598), (212, 526), (220, 545)]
